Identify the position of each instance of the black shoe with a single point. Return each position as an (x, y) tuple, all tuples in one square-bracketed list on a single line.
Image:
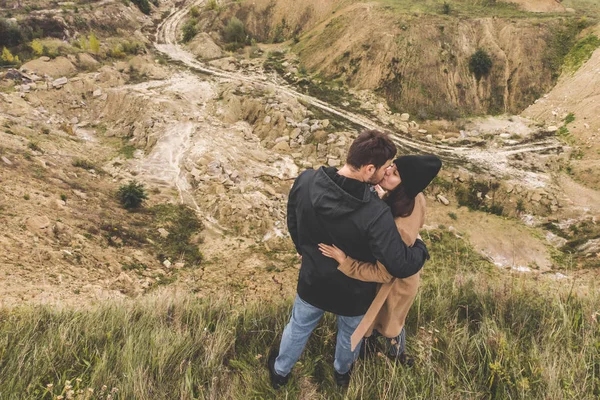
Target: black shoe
[(368, 348), (402, 359), (277, 380), (342, 380)]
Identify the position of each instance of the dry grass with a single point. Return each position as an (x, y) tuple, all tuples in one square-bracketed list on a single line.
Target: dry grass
[(475, 335)]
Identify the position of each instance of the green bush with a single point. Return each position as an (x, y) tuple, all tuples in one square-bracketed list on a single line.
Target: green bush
[(182, 224), (143, 5), (189, 30), (446, 8), (480, 64), (212, 5), (569, 118), (132, 195), (235, 32), (84, 164), (10, 33), (194, 12)]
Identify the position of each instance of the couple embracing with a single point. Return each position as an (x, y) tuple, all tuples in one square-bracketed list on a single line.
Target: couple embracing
[(361, 255)]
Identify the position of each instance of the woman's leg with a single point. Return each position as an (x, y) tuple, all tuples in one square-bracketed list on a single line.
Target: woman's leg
[(397, 345)]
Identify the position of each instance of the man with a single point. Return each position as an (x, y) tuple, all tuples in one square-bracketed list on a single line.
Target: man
[(330, 206)]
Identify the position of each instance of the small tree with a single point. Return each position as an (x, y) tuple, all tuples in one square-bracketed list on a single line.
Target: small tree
[(143, 5), (132, 195), (189, 30), (235, 31), (8, 58), (194, 12), (37, 47), (212, 5), (94, 43), (480, 64), (446, 8)]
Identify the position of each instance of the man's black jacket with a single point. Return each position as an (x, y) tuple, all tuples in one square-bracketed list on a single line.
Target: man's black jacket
[(325, 207)]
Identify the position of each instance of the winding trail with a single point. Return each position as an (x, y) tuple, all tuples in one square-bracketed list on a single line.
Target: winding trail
[(492, 160)]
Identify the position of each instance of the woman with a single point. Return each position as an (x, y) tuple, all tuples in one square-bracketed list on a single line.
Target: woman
[(401, 189)]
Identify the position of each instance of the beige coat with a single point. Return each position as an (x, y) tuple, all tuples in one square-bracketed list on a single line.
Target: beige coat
[(395, 296)]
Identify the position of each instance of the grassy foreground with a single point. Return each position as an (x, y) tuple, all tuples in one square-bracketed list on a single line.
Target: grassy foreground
[(476, 334)]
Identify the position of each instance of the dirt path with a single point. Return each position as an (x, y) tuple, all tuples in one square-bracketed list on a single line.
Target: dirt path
[(493, 160)]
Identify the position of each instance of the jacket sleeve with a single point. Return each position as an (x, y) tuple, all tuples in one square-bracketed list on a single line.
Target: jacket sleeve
[(387, 246), (365, 271), (292, 221)]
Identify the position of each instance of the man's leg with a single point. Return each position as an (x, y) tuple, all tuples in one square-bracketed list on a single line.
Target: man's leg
[(295, 335), (344, 357)]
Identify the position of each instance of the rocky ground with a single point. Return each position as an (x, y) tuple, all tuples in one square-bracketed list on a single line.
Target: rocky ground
[(226, 137)]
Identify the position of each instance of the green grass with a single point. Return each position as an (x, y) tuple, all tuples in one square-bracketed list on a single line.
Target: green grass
[(580, 53), (475, 335), (460, 8)]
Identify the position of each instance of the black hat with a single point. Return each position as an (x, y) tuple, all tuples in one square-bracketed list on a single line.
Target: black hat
[(417, 172)]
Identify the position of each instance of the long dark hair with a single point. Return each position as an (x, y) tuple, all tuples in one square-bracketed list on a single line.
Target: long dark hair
[(401, 204)]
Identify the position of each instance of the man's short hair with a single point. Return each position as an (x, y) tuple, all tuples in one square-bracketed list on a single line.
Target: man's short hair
[(371, 147)]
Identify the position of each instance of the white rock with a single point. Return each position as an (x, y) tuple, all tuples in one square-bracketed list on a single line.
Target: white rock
[(167, 264), (403, 128), (60, 82), (163, 232), (443, 200), (334, 162), (6, 160), (552, 129), (404, 117), (37, 223), (97, 93), (267, 119)]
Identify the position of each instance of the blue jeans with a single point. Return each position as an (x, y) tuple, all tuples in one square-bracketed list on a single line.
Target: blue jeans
[(305, 318)]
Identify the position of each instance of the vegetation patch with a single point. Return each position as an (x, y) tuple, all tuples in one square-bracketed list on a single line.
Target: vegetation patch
[(235, 34), (480, 64), (132, 195), (481, 196), (582, 246), (190, 30), (560, 44), (182, 226), (472, 333), (580, 53)]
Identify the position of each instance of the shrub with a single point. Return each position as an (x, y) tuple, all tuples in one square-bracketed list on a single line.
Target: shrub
[(37, 47), (94, 43), (10, 33), (34, 146), (8, 58), (84, 164), (212, 5), (132, 195), (446, 8), (453, 216), (520, 206), (189, 30), (182, 224), (235, 32), (569, 118), (143, 5), (480, 64), (279, 32), (194, 12)]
